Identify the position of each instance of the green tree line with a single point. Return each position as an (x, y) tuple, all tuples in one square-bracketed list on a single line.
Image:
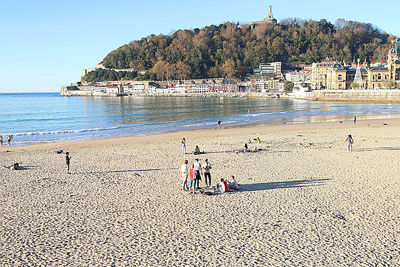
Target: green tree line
[(230, 50), (101, 75)]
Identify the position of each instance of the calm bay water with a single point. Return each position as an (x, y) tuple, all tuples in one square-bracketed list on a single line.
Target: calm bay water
[(47, 117)]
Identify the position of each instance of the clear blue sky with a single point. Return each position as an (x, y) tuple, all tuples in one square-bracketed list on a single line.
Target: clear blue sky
[(45, 43)]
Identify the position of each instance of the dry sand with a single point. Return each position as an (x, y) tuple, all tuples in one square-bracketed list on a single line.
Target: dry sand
[(305, 200)]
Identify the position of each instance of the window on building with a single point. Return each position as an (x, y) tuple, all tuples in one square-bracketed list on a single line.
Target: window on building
[(379, 76), (340, 77)]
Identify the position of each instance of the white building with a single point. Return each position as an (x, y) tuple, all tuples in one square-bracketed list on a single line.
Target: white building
[(295, 76), (274, 68), (134, 89)]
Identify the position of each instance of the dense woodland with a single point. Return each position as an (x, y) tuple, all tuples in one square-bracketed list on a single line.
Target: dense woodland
[(228, 50)]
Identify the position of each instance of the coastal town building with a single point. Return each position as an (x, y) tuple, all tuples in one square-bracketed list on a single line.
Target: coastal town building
[(296, 76), (332, 75), (272, 68)]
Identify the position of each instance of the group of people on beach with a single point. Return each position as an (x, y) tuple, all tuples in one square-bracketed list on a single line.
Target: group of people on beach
[(191, 177), (9, 139)]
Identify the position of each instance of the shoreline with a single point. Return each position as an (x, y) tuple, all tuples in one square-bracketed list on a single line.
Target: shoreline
[(252, 129)]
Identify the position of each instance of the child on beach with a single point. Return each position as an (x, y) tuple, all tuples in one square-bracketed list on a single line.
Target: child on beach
[(192, 180), (68, 161), (350, 140)]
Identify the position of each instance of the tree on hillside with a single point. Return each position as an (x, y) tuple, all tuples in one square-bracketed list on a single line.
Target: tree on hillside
[(288, 86), (229, 68)]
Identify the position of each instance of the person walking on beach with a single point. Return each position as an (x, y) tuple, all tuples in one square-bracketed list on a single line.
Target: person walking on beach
[(68, 161), (9, 138), (196, 170), (1, 139), (183, 146), (206, 171), (350, 140), (355, 119), (185, 174), (219, 123)]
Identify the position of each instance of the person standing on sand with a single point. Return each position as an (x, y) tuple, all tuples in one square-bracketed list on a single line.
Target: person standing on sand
[(219, 123), (68, 161), (185, 174), (350, 140), (192, 180), (183, 146), (1, 139), (196, 170), (206, 171), (355, 119)]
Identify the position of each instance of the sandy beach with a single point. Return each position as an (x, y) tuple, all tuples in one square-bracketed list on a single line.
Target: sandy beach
[(304, 201)]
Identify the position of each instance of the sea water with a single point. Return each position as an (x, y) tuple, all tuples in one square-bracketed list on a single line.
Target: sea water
[(47, 117)]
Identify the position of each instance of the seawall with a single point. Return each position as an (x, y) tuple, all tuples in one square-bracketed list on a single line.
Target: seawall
[(386, 96)]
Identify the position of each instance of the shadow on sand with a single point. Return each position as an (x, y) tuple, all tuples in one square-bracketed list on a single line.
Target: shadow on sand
[(282, 185)]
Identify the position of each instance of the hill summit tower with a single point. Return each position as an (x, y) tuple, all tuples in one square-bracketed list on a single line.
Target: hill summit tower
[(270, 20)]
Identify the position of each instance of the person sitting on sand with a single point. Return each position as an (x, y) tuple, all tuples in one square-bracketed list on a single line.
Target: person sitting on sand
[(223, 186), (14, 167), (197, 151), (234, 184), (246, 148)]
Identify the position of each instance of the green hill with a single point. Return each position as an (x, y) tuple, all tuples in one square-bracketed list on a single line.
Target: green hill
[(230, 50)]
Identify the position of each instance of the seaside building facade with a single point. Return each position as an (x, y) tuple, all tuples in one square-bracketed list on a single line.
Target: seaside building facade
[(272, 68), (332, 75)]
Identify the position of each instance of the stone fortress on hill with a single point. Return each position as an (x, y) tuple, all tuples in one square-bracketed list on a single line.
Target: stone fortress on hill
[(267, 78), (268, 20)]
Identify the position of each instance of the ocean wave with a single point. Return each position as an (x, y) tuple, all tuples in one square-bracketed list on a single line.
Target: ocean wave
[(63, 131)]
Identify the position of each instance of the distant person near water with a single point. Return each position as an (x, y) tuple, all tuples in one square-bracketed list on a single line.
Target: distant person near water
[(350, 140), (355, 119), (206, 171), (1, 140), (68, 161), (9, 139), (219, 123), (185, 174), (183, 146)]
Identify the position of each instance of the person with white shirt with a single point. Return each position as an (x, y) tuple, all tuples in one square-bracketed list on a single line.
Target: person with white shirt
[(197, 169), (206, 171), (185, 174), (234, 184)]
